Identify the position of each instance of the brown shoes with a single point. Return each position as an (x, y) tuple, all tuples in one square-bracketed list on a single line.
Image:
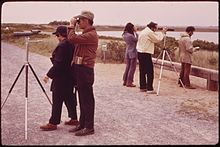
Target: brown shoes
[(84, 132), (48, 127), (77, 128), (190, 87), (72, 122), (143, 90), (79, 131), (130, 85), (151, 92)]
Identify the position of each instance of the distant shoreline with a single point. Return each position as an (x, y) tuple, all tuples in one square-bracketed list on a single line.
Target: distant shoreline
[(118, 28), (176, 28)]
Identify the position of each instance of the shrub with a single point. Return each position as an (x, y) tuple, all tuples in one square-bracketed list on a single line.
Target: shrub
[(171, 44), (115, 52), (205, 45)]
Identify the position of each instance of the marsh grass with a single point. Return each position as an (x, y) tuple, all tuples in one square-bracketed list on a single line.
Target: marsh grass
[(45, 47), (203, 58)]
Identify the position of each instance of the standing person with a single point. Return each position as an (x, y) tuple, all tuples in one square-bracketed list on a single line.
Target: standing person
[(130, 37), (145, 47), (84, 59), (62, 81), (186, 50)]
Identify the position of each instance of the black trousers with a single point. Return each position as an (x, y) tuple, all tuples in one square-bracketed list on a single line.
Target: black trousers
[(85, 81), (58, 97), (146, 67)]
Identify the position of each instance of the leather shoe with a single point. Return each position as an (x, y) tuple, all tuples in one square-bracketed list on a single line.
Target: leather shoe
[(77, 128), (151, 92), (131, 85), (72, 122), (84, 132), (143, 90), (190, 87), (48, 127)]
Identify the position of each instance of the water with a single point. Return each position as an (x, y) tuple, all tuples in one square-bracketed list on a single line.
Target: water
[(207, 36)]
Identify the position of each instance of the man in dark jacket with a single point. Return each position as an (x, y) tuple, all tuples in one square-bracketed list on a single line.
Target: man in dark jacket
[(62, 81), (84, 59)]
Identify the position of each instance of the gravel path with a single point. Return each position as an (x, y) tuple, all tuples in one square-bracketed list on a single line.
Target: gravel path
[(123, 116)]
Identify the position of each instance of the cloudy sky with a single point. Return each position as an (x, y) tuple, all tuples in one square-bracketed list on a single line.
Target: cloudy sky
[(203, 13)]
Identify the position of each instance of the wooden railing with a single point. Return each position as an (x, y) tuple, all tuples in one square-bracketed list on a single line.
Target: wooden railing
[(209, 74)]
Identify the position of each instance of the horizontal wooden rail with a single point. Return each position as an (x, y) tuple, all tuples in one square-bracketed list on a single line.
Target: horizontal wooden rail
[(209, 74)]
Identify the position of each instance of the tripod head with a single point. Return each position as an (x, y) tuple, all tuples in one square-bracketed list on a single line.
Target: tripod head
[(23, 33), (27, 39), (26, 33)]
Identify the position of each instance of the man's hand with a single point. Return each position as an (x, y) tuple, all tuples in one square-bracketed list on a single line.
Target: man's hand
[(135, 29), (46, 79), (164, 30), (73, 22)]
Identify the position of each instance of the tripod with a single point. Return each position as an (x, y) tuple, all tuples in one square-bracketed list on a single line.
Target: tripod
[(165, 52), (26, 66)]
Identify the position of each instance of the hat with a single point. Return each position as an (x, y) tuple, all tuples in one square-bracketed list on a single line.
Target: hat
[(61, 30), (152, 24), (86, 14)]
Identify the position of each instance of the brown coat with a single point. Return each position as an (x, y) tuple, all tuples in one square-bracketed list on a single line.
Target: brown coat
[(186, 49), (86, 45)]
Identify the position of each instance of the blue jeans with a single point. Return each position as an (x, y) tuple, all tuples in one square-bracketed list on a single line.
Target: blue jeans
[(128, 76)]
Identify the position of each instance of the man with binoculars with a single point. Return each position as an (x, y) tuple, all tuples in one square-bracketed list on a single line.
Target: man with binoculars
[(84, 59)]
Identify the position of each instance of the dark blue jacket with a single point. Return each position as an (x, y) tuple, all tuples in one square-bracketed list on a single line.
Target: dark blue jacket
[(61, 72)]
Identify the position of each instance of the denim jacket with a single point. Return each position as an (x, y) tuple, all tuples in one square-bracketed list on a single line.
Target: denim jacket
[(131, 42)]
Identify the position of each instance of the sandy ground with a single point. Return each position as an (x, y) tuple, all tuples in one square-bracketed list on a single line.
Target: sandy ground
[(123, 116)]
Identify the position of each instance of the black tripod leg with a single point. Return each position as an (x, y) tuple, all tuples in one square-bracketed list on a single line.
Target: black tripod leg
[(26, 81), (13, 85), (40, 83)]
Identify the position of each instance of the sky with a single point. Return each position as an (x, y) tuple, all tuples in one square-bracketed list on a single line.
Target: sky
[(172, 13)]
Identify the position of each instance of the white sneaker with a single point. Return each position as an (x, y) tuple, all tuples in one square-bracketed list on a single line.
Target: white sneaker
[(151, 92)]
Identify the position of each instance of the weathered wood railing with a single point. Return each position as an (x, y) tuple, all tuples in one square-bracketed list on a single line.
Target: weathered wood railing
[(209, 74)]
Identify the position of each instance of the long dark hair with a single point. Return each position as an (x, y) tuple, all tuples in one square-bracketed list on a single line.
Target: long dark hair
[(129, 28)]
